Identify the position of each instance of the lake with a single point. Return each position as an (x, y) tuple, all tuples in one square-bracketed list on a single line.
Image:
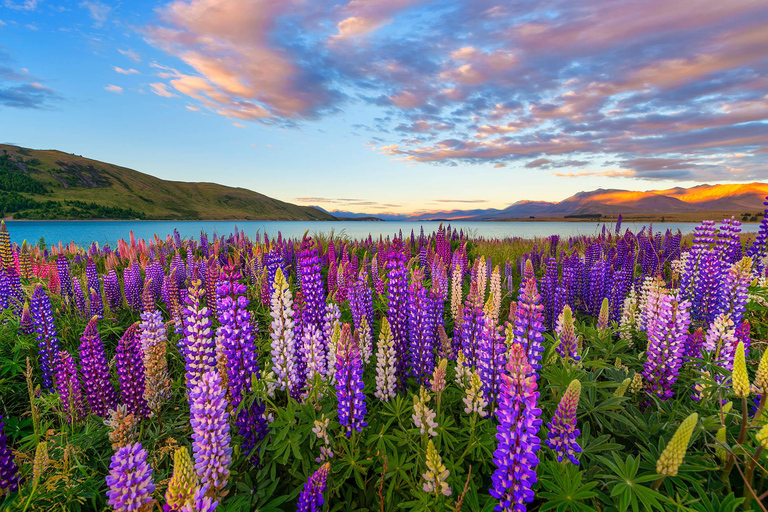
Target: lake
[(85, 232)]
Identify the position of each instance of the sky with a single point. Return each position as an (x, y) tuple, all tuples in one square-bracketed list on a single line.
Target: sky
[(396, 105)]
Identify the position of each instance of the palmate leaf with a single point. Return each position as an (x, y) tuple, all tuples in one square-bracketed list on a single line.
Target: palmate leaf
[(563, 488), (625, 485)]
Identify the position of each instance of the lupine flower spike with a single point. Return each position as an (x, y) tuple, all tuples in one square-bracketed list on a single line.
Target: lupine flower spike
[(672, 456), (437, 474), (311, 498), (562, 429), (130, 480)]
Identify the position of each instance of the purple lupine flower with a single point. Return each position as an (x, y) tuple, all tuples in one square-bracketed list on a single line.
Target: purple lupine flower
[(197, 345), (562, 428), (693, 343), (69, 387), (313, 354), (79, 296), (133, 286), (667, 334), (311, 497), (566, 331), (65, 277), (94, 289), (210, 431), (94, 369), (492, 354), (26, 323), (529, 328), (47, 336), (421, 329), (349, 383), (311, 285), (759, 248), (129, 361), (517, 434), (9, 472), (397, 309), (734, 293), (200, 502), (130, 479), (112, 291), (470, 328), (11, 293), (743, 334)]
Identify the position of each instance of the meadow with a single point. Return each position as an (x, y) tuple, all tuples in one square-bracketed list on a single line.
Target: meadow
[(422, 371)]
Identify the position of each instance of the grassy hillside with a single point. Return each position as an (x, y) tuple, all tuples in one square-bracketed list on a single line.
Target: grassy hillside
[(52, 184)]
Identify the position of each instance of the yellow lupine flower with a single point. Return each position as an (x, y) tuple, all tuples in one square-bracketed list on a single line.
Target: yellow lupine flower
[(622, 387), (761, 377), (762, 437), (721, 453), (436, 475), (40, 461), (183, 483), (740, 377), (673, 454)]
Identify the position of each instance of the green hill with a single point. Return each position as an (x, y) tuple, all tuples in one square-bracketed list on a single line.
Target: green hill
[(49, 184)]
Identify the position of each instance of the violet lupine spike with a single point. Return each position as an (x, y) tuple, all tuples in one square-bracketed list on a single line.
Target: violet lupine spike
[(311, 285), (198, 346), (566, 331), (491, 360), (129, 361), (112, 291), (517, 434), (157, 382), (282, 334), (562, 434), (734, 293), (743, 334), (26, 323), (693, 344), (470, 329), (313, 354), (79, 297), (94, 289), (421, 329), (720, 341), (69, 387), (397, 309), (99, 393), (210, 431), (130, 480), (349, 383), (47, 335), (667, 336), (65, 277), (529, 328), (311, 497), (9, 472)]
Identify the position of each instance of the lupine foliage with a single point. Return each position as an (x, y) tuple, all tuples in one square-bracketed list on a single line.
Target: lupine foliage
[(623, 371)]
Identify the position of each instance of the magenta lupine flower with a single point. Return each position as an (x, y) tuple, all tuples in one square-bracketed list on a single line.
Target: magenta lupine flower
[(129, 361), (421, 329), (743, 334), (562, 429), (9, 472), (197, 345), (529, 328), (210, 431), (311, 497), (693, 344), (492, 358), (130, 480), (94, 369), (69, 387), (667, 335), (349, 383), (47, 336), (397, 308), (112, 290), (517, 434)]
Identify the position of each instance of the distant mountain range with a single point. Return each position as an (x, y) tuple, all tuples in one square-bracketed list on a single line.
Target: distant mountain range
[(678, 203), (49, 184)]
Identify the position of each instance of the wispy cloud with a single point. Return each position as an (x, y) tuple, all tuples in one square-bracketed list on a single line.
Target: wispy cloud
[(19, 89), (161, 89), (124, 71), (130, 54), (114, 88), (26, 5), (98, 11)]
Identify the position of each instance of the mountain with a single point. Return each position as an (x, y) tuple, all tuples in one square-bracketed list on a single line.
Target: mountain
[(49, 184), (694, 203)]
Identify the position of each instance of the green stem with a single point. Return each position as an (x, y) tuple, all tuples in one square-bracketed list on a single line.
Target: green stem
[(739, 440), (748, 493), (657, 483)]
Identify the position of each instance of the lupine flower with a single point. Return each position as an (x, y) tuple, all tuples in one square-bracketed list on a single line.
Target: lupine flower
[(47, 336), (197, 345), (566, 331), (721, 341), (761, 377), (65, 278), (79, 296), (517, 433), (313, 353), (474, 400), (740, 377), (437, 474), (349, 383), (311, 497), (130, 480), (456, 297), (283, 345), (183, 483), (437, 383), (6, 251), (112, 290), (423, 416), (321, 431), (210, 431), (69, 388), (603, 316), (667, 334), (397, 306), (529, 328), (26, 323), (385, 364), (122, 426), (562, 428), (622, 389), (693, 343), (99, 392), (762, 437), (94, 289), (734, 296), (40, 462), (463, 371), (491, 360), (157, 383), (365, 342), (629, 315), (720, 450), (672, 456), (129, 362), (200, 502), (421, 329), (495, 295), (9, 472)]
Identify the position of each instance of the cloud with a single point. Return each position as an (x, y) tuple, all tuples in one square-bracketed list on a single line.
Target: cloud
[(122, 71), (114, 88), (460, 201), (19, 89), (161, 89), (130, 54), (98, 11), (25, 5)]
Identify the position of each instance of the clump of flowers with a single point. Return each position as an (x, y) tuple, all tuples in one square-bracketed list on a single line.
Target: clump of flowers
[(321, 431)]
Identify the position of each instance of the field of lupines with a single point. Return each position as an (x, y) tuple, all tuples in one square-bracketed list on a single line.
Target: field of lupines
[(625, 371)]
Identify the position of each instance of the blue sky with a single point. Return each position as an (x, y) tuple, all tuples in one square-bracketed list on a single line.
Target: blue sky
[(396, 105)]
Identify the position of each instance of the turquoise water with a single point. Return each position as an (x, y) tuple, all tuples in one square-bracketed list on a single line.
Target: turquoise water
[(85, 232)]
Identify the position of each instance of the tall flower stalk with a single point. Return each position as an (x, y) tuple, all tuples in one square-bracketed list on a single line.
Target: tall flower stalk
[(99, 392), (349, 383)]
